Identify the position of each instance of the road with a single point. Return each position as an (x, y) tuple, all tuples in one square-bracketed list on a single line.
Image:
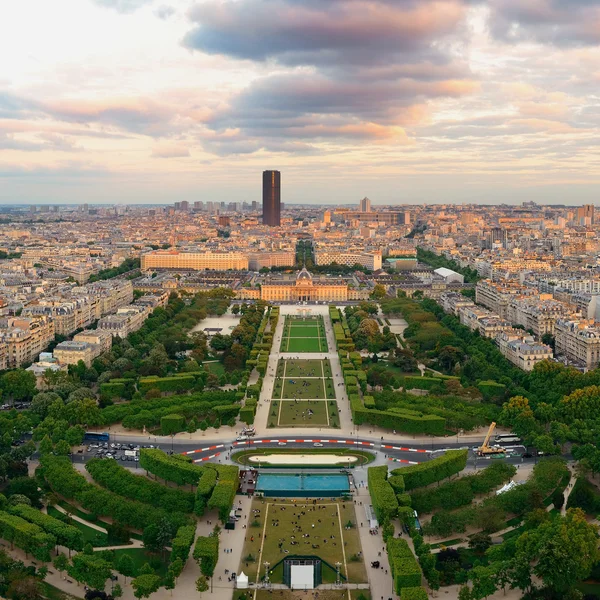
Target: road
[(391, 450)]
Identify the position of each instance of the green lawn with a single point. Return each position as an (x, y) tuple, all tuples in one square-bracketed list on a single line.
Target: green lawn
[(303, 368), (92, 536), (304, 344), (329, 519), (302, 414), (214, 367)]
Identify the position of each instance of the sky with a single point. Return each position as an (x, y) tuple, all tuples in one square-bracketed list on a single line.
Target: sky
[(404, 101)]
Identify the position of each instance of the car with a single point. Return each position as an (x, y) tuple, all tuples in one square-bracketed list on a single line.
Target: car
[(80, 451), (317, 444), (282, 444)]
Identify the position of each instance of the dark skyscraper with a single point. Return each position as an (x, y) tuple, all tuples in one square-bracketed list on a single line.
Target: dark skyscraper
[(272, 198)]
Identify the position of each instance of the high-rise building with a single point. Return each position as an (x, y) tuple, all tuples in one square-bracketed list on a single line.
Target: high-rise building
[(272, 198), (365, 205), (584, 213), (185, 205)]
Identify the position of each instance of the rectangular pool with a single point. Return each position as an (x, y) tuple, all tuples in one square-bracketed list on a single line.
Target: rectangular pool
[(303, 485)]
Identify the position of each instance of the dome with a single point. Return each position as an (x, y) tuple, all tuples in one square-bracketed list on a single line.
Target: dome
[(304, 275)]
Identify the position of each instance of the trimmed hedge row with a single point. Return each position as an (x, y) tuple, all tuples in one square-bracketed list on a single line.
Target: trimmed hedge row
[(433, 470), (182, 542), (413, 593), (399, 420), (65, 481), (166, 384), (111, 475), (206, 554), (382, 494), (66, 535), (406, 572), (27, 536), (206, 486), (461, 492), (176, 468), (222, 498)]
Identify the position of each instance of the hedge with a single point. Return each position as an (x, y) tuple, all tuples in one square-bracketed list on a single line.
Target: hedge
[(399, 420), (206, 486), (206, 553), (406, 572), (66, 535), (461, 492), (413, 593), (182, 542), (222, 498), (176, 468), (111, 475), (166, 384), (108, 391), (383, 496), (433, 470), (67, 482), (423, 383), (491, 389), (369, 402), (397, 483), (172, 424), (27, 536)]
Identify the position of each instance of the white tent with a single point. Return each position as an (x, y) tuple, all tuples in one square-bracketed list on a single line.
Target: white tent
[(242, 581)]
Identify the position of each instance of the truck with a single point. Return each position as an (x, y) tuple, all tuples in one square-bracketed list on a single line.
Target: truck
[(249, 431), (131, 453)]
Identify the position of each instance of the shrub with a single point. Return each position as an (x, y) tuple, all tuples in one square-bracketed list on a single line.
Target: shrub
[(406, 572), (433, 470), (206, 553), (384, 499), (182, 542)]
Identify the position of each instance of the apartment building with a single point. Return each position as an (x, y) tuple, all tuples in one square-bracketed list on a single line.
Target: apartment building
[(124, 321), (522, 351), (100, 338), (258, 260), (194, 261), (70, 353), (578, 341), (371, 260), (538, 317), (485, 322), (25, 338), (497, 296), (452, 302)]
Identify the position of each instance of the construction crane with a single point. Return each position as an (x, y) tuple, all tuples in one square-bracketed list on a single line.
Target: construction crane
[(485, 449)]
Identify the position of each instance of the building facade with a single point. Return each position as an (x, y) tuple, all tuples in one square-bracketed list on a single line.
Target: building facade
[(194, 261), (272, 198)]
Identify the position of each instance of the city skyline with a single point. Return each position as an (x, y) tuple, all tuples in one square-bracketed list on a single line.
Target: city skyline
[(451, 101)]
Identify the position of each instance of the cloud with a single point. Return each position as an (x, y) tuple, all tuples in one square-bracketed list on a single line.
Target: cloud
[(310, 33), (560, 22), (170, 152), (164, 12), (123, 6)]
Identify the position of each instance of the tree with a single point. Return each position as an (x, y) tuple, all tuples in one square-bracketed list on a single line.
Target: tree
[(146, 569), (378, 292), (202, 584), (42, 402), (61, 562), (117, 591), (480, 542), (150, 537), (18, 499), (18, 384), (483, 582), (563, 550), (191, 428), (62, 448), (465, 593), (125, 566), (26, 588), (144, 585)]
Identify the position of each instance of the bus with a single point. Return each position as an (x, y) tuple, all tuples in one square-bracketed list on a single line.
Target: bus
[(507, 438), (96, 436)]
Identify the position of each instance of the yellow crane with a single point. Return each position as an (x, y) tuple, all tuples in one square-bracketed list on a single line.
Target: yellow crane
[(485, 449)]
